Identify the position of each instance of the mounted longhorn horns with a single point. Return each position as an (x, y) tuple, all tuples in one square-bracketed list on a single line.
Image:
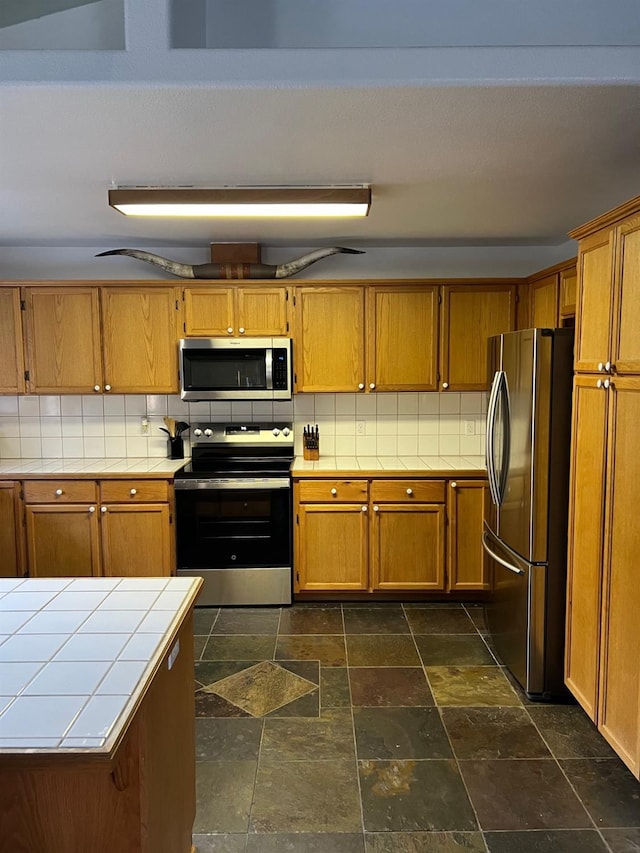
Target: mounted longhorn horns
[(236, 271)]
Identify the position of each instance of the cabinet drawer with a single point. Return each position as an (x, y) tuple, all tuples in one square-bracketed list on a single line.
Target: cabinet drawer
[(133, 491), (60, 491), (332, 490), (419, 491)]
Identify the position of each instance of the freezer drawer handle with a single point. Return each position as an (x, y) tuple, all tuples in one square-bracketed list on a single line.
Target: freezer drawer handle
[(502, 562)]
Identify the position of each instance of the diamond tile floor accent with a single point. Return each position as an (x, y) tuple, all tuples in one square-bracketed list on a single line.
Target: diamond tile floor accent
[(262, 688), (351, 728)]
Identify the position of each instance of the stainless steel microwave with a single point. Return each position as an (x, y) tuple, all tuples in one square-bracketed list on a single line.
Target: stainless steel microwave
[(236, 369)]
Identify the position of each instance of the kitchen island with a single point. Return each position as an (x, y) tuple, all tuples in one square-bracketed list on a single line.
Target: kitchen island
[(96, 715)]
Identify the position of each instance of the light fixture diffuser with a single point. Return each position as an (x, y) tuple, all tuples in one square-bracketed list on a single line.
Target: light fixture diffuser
[(256, 202)]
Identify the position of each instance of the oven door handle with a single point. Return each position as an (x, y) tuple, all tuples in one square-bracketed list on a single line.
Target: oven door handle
[(256, 485)]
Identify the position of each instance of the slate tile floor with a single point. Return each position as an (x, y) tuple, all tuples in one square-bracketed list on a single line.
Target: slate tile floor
[(391, 728)]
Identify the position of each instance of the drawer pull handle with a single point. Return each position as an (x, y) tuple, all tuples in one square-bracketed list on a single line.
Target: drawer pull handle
[(409, 491), (133, 491), (58, 492), (334, 491), (92, 509)]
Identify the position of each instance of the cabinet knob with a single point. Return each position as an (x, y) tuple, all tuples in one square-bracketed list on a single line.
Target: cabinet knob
[(607, 366), (409, 491), (133, 491), (372, 385), (376, 508), (96, 387), (103, 509), (364, 508), (107, 387), (58, 492), (445, 385), (607, 383), (334, 491), (230, 330), (599, 383), (92, 509), (454, 484), (361, 386), (241, 330)]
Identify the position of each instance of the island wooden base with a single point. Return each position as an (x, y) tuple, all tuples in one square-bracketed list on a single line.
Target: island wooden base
[(140, 800)]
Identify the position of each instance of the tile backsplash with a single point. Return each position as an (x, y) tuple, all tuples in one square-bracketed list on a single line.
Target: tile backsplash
[(403, 424)]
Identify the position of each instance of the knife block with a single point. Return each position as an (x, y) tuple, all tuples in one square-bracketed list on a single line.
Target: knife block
[(310, 447)]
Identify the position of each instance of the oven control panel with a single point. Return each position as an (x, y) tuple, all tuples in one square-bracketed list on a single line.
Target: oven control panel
[(257, 434)]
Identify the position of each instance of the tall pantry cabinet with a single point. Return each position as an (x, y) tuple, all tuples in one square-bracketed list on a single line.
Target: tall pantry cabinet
[(603, 597)]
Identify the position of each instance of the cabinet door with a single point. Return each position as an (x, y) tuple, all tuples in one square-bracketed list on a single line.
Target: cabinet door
[(568, 292), (136, 540), (619, 711), (62, 541), (11, 531), (586, 540), (63, 340), (329, 339), (208, 311), (407, 546), (11, 360), (331, 547), (625, 353), (402, 338), (261, 310), (544, 296), (140, 339), (471, 314), (467, 504), (595, 301)]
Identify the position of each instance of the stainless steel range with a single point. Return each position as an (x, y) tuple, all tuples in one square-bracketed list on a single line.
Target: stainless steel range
[(233, 513)]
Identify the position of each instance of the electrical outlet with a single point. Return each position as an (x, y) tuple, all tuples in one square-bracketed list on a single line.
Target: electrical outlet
[(361, 427), (144, 426), (469, 427)]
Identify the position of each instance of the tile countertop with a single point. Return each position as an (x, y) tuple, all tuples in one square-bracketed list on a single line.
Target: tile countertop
[(437, 466), (152, 466), (77, 654)]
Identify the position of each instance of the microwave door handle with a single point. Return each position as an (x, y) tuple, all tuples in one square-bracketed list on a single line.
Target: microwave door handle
[(268, 363), (491, 415)]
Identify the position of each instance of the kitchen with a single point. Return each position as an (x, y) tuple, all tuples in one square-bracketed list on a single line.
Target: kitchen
[(423, 423)]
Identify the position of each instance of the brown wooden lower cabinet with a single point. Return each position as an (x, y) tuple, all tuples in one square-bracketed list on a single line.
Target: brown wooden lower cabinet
[(83, 527), (12, 558), (388, 535), (141, 799)]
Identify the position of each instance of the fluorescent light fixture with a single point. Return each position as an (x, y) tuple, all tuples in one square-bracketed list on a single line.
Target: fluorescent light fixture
[(247, 202)]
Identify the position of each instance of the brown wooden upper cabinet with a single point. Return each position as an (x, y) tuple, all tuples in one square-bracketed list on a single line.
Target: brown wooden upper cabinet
[(470, 315), (609, 299), (254, 310), (402, 338), (568, 293), (544, 296), (329, 338), (84, 339), (11, 360), (381, 337)]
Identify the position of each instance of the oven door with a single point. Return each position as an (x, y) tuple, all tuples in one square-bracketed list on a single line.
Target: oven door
[(237, 536)]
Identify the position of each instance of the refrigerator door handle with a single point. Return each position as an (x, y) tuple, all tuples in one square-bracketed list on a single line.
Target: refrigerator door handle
[(491, 419), (501, 482), (503, 562)]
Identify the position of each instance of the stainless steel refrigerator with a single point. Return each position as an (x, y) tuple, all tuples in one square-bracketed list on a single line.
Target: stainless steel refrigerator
[(527, 449)]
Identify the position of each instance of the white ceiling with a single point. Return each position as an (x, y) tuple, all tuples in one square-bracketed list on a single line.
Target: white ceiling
[(449, 164)]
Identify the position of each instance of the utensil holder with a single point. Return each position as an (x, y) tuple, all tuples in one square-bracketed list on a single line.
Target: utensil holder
[(310, 447), (175, 447)]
